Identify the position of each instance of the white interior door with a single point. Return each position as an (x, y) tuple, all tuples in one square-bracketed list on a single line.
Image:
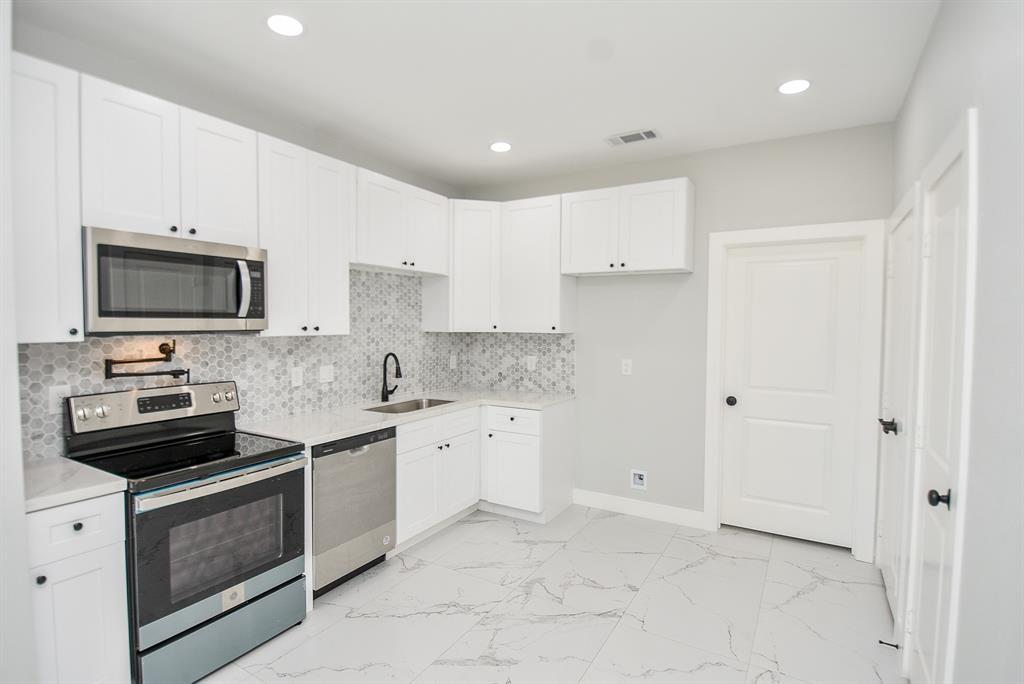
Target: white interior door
[(792, 361), (896, 462), (948, 188)]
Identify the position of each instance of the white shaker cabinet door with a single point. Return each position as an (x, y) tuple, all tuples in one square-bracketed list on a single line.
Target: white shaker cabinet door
[(530, 269), (459, 473), (284, 229), (417, 489), (46, 201), (332, 190), (218, 180), (130, 155), (590, 232), (474, 279), (427, 231), (513, 470), (80, 616), (656, 226), (381, 226)]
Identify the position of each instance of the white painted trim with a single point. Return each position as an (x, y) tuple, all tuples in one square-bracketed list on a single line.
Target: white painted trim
[(866, 468), (642, 509)]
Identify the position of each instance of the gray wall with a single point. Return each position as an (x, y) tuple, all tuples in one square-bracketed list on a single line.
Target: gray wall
[(975, 58), (654, 419)]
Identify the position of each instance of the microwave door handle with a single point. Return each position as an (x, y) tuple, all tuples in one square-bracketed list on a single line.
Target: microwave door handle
[(246, 289)]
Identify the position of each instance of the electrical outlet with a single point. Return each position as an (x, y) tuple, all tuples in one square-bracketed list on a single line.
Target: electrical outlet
[(638, 479), (627, 366), (55, 400), (531, 363), (327, 373), (296, 376), (453, 361)]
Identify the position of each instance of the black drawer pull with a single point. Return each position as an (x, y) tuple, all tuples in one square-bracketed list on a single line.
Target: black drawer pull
[(77, 527)]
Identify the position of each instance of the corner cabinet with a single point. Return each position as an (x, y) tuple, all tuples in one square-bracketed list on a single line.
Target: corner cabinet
[(641, 228), (78, 586), (505, 274), (306, 213), (45, 201), (400, 227)]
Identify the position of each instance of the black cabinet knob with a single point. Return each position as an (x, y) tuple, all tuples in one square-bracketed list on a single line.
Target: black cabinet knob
[(490, 434), (77, 527), (730, 400), (889, 426), (412, 263), (495, 327), (41, 579), (316, 327), (174, 229), (934, 498), (611, 265), (623, 264), (405, 263), (440, 446), (512, 418), (305, 328), (191, 231), (447, 446), (73, 331), (552, 327)]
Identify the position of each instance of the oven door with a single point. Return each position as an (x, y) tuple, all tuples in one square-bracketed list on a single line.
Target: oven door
[(147, 283), (198, 551)]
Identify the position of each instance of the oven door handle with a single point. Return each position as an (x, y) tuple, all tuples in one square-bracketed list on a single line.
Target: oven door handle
[(152, 502), (246, 289)]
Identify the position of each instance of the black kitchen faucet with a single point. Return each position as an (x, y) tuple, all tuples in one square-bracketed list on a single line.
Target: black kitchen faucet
[(386, 393)]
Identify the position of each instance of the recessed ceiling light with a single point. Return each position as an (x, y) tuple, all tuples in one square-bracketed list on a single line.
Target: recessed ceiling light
[(793, 87), (500, 147), (285, 25)]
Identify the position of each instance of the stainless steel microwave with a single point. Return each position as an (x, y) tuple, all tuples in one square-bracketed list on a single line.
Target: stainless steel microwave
[(138, 283)]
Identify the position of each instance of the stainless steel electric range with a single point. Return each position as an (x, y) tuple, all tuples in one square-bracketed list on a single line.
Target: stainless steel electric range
[(215, 523)]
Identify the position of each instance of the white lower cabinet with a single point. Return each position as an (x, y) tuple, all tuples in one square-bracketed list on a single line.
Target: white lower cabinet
[(513, 470), (417, 495), (80, 602), (459, 470)]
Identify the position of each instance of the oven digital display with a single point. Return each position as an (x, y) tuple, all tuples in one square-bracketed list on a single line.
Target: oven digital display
[(167, 402)]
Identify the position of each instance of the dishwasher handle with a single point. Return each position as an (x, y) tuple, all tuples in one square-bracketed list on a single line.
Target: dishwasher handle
[(357, 444)]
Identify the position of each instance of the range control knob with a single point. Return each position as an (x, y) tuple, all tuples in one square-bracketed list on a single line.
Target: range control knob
[(216, 397), (229, 395), (83, 413), (102, 411)]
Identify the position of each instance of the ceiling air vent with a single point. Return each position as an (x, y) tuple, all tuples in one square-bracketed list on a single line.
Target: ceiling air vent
[(632, 137)]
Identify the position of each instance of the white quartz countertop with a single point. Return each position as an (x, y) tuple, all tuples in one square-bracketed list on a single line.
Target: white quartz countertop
[(57, 481), (326, 426)]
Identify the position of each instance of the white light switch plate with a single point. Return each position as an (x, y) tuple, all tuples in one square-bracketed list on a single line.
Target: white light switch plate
[(55, 400), (327, 373), (296, 376), (531, 363), (627, 366)]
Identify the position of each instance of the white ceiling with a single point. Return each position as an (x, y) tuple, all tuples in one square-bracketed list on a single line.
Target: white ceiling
[(429, 85)]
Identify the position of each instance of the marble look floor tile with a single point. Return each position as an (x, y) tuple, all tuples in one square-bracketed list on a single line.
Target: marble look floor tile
[(562, 528), (524, 648), (632, 655), (747, 542), (472, 526), (378, 649), (831, 561), (623, 534), (372, 583), (320, 618), (499, 559), (761, 671), (582, 580), (826, 631), (435, 591), (709, 604), (229, 674)]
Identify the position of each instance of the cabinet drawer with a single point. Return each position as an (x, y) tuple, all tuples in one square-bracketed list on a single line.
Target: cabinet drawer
[(522, 421), (65, 531), (461, 422)]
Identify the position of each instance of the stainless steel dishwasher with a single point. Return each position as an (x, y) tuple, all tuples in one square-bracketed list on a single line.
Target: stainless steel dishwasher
[(353, 506)]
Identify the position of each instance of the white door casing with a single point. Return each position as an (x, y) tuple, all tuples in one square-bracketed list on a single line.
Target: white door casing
[(949, 191), (794, 333), (896, 460)]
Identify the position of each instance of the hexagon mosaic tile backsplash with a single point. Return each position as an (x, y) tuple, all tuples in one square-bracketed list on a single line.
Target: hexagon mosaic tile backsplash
[(385, 316)]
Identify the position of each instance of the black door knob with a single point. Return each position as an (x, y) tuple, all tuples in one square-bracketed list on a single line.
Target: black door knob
[(934, 498), (191, 231), (174, 229), (41, 579), (889, 426), (730, 400), (73, 331), (77, 527)]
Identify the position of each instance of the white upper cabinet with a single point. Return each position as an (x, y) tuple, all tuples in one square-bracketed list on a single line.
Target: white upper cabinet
[(400, 227), (45, 198), (534, 295), (130, 154), (646, 227), (332, 215), (306, 215), (284, 233), (218, 180)]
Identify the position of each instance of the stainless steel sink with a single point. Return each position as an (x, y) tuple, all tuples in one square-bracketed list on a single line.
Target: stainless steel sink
[(410, 405)]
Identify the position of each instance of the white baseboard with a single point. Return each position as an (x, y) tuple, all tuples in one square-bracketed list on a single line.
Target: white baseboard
[(642, 509)]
